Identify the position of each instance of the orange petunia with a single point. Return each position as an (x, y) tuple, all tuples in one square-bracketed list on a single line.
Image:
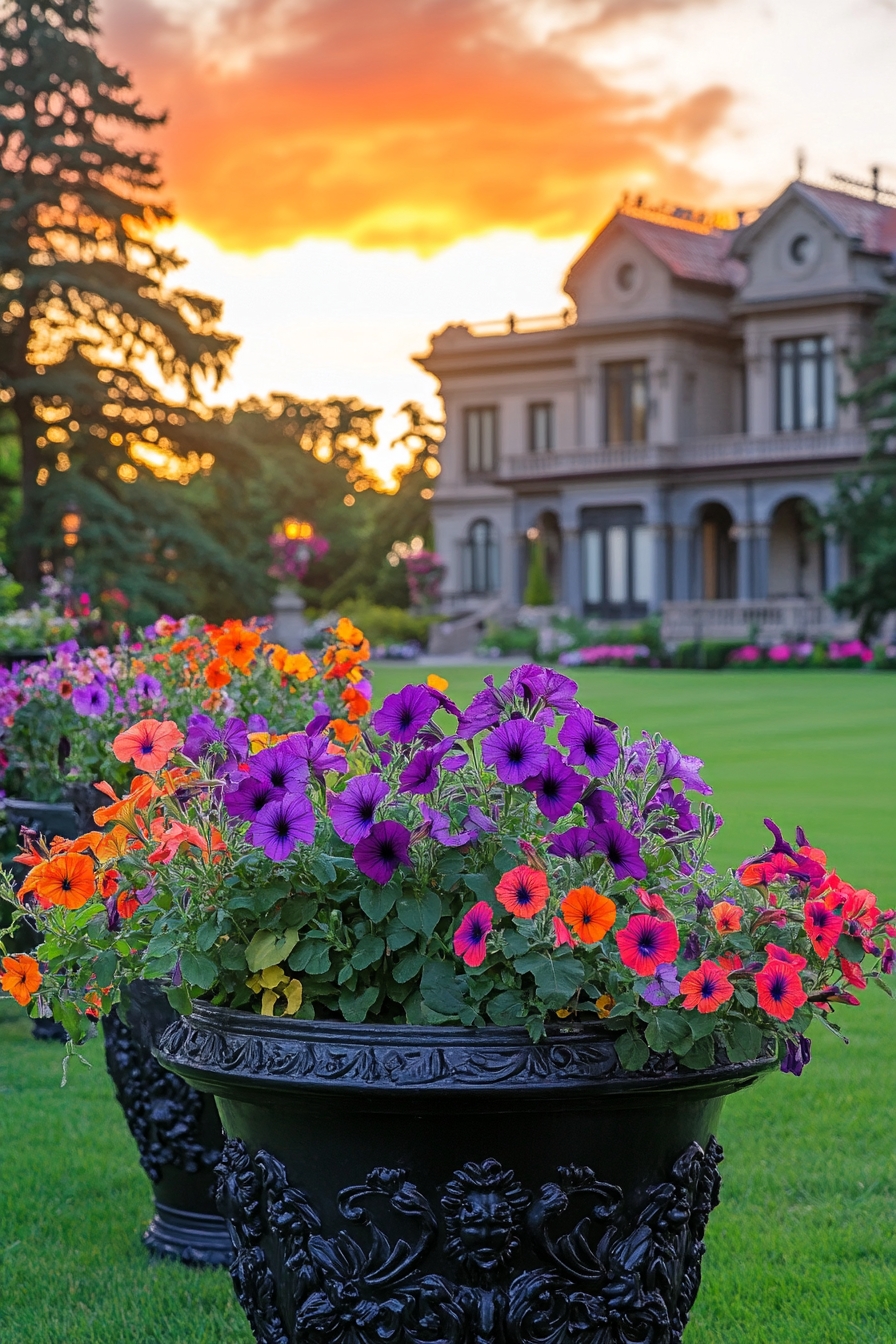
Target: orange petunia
[(436, 682), (727, 916), (300, 666), (21, 977), (588, 914), (358, 703), (217, 674), (126, 904), (148, 744), (143, 790), (114, 844), (344, 732), (348, 633), (237, 644), (752, 875), (69, 880)]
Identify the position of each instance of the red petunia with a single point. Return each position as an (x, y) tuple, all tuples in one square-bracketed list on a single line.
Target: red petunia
[(776, 953), (562, 935), (646, 942), (730, 962), (852, 973), (523, 891), (653, 902), (780, 990), (706, 988), (823, 926)]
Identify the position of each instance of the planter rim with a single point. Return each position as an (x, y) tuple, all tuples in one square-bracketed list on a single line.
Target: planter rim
[(228, 1051)]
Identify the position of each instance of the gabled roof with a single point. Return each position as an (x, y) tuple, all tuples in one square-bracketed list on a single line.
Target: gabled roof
[(691, 250), (869, 225)]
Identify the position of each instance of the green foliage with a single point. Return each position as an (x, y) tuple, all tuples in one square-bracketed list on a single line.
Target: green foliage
[(707, 653), (538, 586), (388, 625), (503, 640), (864, 508)]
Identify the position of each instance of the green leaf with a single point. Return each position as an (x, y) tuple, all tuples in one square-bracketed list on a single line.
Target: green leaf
[(504, 861), (701, 1024), (850, 948), (668, 1030), (299, 911), (312, 955), (745, 996), (557, 975), (347, 973), (420, 911), (199, 970), (104, 968), (632, 1052), (481, 886), (232, 956), (355, 1007), (743, 1042), (268, 948), (702, 1055), (179, 998), (515, 943), (376, 902), (370, 949), (507, 1008), (442, 989), (324, 870), (207, 934), (881, 984), (397, 936), (408, 967)]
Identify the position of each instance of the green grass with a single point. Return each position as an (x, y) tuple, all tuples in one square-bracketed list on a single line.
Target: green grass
[(803, 1247)]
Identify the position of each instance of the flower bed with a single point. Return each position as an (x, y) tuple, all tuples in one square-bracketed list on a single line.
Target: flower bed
[(608, 655), (803, 653)]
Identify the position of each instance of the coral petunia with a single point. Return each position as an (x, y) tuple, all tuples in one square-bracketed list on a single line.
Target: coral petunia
[(852, 974), (148, 744), (68, 879), (588, 914), (823, 926), (780, 990), (645, 942), (237, 644), (217, 674), (21, 977), (706, 988), (776, 953), (472, 932), (523, 891), (727, 916)]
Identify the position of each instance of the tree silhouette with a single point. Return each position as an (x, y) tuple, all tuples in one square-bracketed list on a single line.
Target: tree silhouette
[(91, 328)]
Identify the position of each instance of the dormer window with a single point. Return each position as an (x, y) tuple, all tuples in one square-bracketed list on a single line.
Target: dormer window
[(806, 384)]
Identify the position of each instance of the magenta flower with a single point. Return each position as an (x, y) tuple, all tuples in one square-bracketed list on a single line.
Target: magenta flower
[(516, 751), (90, 701), (557, 788), (253, 794), (589, 743), (386, 845), (405, 713), (353, 811), (279, 767), (600, 805), (622, 849), (472, 932), (572, 844), (281, 825)]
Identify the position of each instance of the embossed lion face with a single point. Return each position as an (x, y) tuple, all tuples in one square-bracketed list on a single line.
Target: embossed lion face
[(486, 1228)]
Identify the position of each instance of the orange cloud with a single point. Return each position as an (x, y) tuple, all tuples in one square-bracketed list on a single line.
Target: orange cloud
[(395, 123)]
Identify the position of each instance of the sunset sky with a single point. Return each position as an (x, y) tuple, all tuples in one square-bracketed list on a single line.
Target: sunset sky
[(350, 175)]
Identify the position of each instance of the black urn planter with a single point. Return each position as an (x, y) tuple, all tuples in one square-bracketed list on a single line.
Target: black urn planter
[(401, 1185), (177, 1132)]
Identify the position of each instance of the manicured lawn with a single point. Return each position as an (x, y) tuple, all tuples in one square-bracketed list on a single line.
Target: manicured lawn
[(803, 1248)]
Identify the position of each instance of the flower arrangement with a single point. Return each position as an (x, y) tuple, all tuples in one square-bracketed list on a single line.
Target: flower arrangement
[(51, 620), (441, 865), (293, 549), (59, 718)]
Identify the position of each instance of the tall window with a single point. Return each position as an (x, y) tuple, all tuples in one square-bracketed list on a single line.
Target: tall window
[(480, 559), (541, 427), (617, 562), (625, 402), (807, 395), (481, 440)]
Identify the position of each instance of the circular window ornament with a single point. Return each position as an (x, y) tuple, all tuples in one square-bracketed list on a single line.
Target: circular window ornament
[(800, 249), (626, 276)]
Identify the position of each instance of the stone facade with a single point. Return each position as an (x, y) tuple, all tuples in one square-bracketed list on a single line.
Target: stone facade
[(674, 436)]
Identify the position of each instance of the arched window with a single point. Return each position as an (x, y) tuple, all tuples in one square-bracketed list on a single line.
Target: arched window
[(718, 553), (796, 553), (480, 558)]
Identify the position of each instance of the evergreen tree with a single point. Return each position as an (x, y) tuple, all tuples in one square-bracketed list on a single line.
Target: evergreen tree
[(538, 586), (864, 508), (90, 326)]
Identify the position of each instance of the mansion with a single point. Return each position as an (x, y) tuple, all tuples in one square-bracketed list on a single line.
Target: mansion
[(670, 439)]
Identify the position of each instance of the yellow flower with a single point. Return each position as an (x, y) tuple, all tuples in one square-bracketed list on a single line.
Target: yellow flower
[(299, 665), (603, 1005), (268, 1002), (437, 683), (293, 994)]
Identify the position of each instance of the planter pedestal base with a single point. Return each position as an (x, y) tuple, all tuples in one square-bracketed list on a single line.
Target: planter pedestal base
[(191, 1237)]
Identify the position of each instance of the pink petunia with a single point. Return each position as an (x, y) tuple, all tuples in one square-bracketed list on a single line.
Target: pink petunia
[(646, 942), (472, 932)]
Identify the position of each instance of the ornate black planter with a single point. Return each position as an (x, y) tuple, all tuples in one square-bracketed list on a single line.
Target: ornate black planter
[(177, 1132), (416, 1185)]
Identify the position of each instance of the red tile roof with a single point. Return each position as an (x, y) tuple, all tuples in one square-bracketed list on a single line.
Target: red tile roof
[(691, 251), (872, 225)]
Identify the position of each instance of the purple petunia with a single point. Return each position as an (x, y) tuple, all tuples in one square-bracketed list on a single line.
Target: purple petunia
[(91, 700), (405, 713), (589, 743), (353, 811), (575, 843), (252, 795), (421, 774), (796, 1056), (532, 683), (693, 949), (483, 711), (601, 806), (662, 986), (557, 788), (684, 768), (622, 849), (516, 750), (147, 687), (281, 825), (381, 851), (256, 723), (203, 732), (315, 751), (279, 767)]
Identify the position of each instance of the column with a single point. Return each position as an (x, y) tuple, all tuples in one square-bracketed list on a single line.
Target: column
[(760, 560), (832, 554), (571, 572), (743, 539), (681, 563)]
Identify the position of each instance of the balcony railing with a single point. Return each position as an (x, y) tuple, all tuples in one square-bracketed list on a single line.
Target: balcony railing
[(718, 450), (767, 620)]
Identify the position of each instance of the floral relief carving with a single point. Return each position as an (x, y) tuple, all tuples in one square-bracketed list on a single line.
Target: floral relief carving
[(606, 1275)]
